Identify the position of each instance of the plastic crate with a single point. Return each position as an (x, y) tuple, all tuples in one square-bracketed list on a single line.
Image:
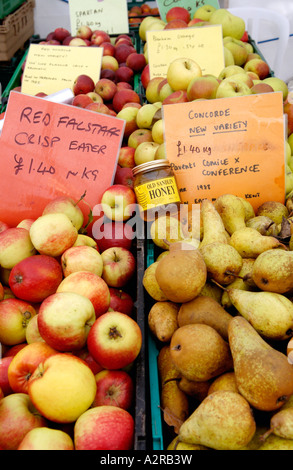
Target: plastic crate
[(9, 6), (16, 29)]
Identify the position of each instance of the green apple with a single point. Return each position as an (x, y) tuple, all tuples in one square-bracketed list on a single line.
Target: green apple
[(204, 12), (145, 152), (145, 116), (228, 87), (288, 152), (290, 163), (181, 71), (228, 57), (165, 90), (288, 179), (145, 26), (290, 142), (158, 132), (241, 78), (230, 70), (161, 152), (152, 91), (232, 25), (278, 85), (238, 50)]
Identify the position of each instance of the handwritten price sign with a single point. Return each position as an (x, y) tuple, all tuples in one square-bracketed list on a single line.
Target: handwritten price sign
[(50, 149), (229, 145)]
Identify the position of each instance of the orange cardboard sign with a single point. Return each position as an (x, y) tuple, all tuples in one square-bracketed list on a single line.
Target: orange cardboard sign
[(229, 145), (51, 149)]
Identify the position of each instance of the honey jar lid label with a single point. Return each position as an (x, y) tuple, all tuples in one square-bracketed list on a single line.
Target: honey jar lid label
[(157, 193)]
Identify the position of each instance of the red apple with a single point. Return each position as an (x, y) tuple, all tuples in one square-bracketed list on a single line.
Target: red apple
[(67, 40), (124, 74), (108, 48), (128, 114), (136, 61), (119, 266), (3, 226), (121, 301), (78, 42), (85, 355), (99, 36), (106, 88), (46, 438), (68, 206), (4, 381), (15, 314), (104, 428), (124, 96), (121, 85), (126, 157), (84, 32), (82, 100), (115, 340), (25, 362), (179, 96), (35, 277), (122, 51), (26, 223), (178, 13), (127, 39), (108, 73), (98, 108), (17, 417), (109, 62), (138, 136), (81, 258), (15, 245), (124, 176), (111, 234), (14, 349), (118, 202), (114, 388), (83, 84), (176, 23), (95, 97), (90, 285), (60, 34), (145, 76)]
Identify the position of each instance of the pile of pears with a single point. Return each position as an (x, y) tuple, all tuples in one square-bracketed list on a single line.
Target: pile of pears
[(221, 313)]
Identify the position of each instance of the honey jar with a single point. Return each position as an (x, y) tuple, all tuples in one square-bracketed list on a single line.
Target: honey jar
[(155, 188)]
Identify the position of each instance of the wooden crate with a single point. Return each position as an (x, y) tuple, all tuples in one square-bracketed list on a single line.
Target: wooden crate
[(16, 29)]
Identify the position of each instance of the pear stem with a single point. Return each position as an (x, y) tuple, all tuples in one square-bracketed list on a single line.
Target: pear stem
[(219, 285), (266, 435)]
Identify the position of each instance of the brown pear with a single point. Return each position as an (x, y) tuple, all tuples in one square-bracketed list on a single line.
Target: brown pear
[(199, 352), (250, 243), (274, 210), (263, 374), (242, 281), (197, 390), (226, 381), (162, 320), (281, 424), (210, 289), (222, 421), (264, 225), (174, 404), (166, 368), (205, 310), (150, 283), (273, 271), (175, 444), (276, 443), (222, 261), (181, 275)]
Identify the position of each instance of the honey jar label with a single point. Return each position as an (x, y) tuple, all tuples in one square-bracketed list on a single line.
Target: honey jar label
[(157, 193)]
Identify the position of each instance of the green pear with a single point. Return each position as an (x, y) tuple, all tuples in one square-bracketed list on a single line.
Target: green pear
[(249, 210), (263, 374), (281, 424), (232, 212), (223, 262), (232, 25), (242, 281), (222, 421), (259, 309), (250, 243), (212, 223), (276, 443), (273, 271)]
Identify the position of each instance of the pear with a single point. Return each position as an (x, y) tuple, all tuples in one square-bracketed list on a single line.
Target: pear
[(213, 229), (206, 310), (269, 313), (276, 443), (181, 275), (222, 421), (281, 424), (243, 281), (226, 381), (250, 243), (256, 442), (223, 262), (166, 368), (273, 271), (166, 229), (264, 225), (232, 25), (274, 210), (249, 210), (174, 403), (197, 390), (150, 283), (263, 374), (232, 212), (199, 352), (162, 320), (210, 289), (175, 444)]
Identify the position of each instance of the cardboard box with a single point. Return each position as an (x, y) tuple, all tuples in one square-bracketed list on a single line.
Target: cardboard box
[(16, 29)]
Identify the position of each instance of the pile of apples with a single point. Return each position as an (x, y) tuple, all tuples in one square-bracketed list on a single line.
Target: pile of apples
[(68, 334), (224, 345)]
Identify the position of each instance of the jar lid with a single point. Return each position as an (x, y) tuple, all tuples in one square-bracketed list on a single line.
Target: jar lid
[(152, 165)]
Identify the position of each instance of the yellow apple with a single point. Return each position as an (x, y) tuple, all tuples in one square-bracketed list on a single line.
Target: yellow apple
[(158, 131), (278, 85), (62, 388), (145, 152), (145, 115), (181, 71), (15, 245), (45, 438)]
